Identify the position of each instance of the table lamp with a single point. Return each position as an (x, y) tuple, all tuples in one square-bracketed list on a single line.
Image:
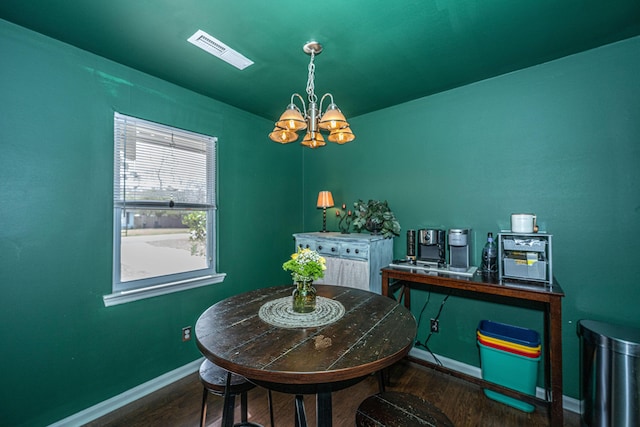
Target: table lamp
[(325, 200)]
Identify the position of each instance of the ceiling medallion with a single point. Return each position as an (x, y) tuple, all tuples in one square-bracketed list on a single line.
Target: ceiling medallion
[(295, 119)]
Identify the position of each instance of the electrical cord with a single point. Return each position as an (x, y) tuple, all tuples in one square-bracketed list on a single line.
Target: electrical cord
[(422, 311), (426, 341), (441, 307)]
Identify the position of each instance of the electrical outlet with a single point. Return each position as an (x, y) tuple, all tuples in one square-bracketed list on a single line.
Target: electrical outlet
[(186, 333), (435, 326)]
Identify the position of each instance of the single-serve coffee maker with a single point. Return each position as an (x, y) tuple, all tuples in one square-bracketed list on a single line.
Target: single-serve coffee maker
[(459, 249), (431, 247)]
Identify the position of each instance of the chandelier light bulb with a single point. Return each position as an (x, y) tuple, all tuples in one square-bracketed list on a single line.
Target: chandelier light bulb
[(283, 136), (333, 118), (313, 140), (342, 136)]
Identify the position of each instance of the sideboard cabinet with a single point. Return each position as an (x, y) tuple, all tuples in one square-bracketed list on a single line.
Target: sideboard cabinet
[(353, 260)]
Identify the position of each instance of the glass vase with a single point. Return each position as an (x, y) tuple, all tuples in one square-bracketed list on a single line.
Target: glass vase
[(304, 297)]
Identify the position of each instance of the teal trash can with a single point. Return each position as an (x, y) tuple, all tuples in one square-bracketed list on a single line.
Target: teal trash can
[(505, 366), (510, 370), (609, 375)]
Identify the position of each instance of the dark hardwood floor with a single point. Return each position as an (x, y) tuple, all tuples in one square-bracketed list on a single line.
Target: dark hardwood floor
[(464, 403)]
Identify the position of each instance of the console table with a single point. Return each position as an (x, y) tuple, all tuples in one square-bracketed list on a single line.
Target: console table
[(544, 297)]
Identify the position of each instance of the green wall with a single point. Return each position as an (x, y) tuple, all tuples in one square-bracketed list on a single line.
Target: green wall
[(62, 350), (561, 139)]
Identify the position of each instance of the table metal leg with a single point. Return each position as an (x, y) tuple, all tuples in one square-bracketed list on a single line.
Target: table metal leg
[(229, 405), (203, 414), (244, 416), (301, 417), (270, 399), (324, 416)]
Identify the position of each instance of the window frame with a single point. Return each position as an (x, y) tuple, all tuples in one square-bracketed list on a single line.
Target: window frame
[(133, 290)]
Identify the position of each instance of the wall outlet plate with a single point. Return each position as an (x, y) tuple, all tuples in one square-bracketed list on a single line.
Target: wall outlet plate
[(186, 333), (435, 326)]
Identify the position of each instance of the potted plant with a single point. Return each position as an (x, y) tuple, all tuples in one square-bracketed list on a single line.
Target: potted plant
[(376, 217)]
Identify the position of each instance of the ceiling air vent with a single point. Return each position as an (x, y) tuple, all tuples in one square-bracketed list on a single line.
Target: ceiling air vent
[(215, 47)]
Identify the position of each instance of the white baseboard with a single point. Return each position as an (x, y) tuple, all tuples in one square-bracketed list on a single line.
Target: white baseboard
[(117, 402), (568, 403), (131, 395)]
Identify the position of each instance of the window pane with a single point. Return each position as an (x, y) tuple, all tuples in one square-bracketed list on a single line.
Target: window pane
[(154, 162), (157, 242)]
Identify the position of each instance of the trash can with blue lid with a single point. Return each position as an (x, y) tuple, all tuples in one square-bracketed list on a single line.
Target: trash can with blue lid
[(514, 334), (609, 374), (508, 364)]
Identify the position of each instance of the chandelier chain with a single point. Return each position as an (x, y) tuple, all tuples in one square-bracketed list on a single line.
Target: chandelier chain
[(310, 80)]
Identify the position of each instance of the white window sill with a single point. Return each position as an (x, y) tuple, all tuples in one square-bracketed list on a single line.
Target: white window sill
[(167, 288)]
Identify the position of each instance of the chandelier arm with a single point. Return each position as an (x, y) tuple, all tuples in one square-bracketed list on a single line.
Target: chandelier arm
[(303, 110), (322, 99)]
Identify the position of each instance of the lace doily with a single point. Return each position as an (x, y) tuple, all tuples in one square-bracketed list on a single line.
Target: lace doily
[(280, 313)]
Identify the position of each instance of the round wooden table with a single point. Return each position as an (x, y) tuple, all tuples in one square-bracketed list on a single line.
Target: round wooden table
[(373, 333)]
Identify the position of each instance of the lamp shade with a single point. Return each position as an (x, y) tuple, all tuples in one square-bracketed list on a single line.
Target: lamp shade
[(342, 136), (283, 136), (313, 140), (292, 119), (325, 199), (333, 119)]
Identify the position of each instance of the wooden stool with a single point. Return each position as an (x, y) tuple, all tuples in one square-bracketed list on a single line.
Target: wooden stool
[(216, 380), (395, 409)]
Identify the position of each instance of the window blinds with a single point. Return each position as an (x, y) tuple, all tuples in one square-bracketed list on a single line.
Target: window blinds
[(162, 166)]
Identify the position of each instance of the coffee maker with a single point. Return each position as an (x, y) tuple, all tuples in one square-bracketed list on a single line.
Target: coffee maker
[(459, 249), (431, 247)]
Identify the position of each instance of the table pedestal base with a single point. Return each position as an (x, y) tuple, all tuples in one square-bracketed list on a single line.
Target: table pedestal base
[(324, 412)]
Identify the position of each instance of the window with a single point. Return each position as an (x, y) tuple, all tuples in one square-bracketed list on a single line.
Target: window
[(164, 210)]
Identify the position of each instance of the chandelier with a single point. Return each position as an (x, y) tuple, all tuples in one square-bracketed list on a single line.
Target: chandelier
[(295, 119)]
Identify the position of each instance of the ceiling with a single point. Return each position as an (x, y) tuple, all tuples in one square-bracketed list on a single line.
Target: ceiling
[(376, 53)]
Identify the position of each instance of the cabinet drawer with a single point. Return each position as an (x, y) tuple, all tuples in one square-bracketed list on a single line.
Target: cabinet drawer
[(327, 248), (354, 251), (307, 244)]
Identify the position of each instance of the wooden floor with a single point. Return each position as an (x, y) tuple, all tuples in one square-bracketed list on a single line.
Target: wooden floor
[(464, 403)]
